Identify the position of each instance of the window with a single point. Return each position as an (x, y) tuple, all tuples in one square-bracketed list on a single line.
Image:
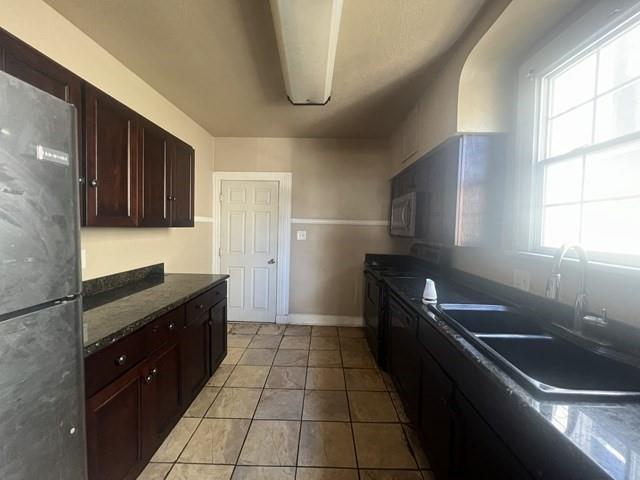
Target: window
[(587, 173)]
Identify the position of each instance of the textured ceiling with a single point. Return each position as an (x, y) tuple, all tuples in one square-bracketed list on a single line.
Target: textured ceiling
[(217, 60)]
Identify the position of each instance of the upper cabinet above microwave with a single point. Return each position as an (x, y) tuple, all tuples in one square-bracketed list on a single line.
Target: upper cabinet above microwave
[(132, 173), (460, 188)]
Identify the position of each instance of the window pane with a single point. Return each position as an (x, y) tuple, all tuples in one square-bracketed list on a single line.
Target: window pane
[(570, 130), (619, 60), (618, 113), (573, 86), (560, 225), (613, 173), (612, 227), (563, 181)]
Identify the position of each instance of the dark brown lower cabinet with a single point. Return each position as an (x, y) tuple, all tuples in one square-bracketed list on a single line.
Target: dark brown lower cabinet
[(128, 420), (161, 397), (218, 331), (195, 356), (405, 357), (372, 319), (143, 383), (436, 415), (459, 442), (479, 451), (114, 428)]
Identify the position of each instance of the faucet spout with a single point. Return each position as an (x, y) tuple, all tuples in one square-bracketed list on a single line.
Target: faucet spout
[(554, 282)]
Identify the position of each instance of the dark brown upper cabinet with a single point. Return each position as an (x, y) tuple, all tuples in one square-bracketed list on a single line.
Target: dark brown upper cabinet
[(460, 187), (166, 179), (111, 133), (155, 176), (182, 183), (132, 173), (27, 64)]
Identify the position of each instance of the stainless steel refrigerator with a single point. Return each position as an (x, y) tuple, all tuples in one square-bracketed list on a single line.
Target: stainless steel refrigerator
[(42, 434)]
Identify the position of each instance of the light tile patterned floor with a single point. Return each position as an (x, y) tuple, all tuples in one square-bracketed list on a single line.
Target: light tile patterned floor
[(293, 403)]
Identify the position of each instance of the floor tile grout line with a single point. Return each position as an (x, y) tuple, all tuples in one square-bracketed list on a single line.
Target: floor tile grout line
[(246, 435), (353, 435), (304, 394)]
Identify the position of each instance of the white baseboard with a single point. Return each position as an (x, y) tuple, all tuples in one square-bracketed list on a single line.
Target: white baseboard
[(321, 320)]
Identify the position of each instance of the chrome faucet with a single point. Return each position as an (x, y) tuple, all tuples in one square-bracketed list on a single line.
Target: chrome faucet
[(580, 307)]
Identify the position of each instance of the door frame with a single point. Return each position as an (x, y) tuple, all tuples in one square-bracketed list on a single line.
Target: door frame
[(284, 229)]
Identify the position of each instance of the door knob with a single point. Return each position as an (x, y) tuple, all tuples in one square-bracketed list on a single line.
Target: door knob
[(272, 261)]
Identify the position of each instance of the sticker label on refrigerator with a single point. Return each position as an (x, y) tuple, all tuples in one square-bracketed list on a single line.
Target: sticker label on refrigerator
[(51, 155)]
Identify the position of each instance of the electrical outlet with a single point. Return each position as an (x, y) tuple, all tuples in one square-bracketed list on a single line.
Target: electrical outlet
[(521, 279), (301, 234)]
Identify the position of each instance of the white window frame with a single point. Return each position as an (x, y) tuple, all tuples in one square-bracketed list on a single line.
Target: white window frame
[(604, 20)]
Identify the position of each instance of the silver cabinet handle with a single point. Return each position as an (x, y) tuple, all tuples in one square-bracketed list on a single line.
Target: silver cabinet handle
[(121, 360), (93, 182), (172, 326), (154, 372)]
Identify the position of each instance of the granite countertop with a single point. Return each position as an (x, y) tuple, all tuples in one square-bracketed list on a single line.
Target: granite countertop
[(116, 313), (601, 439)]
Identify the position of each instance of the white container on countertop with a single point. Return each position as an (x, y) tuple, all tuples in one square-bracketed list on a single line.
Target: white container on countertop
[(429, 295)]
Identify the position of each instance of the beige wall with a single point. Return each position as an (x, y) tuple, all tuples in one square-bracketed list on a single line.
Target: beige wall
[(486, 95), (437, 115), (331, 179), (113, 250)]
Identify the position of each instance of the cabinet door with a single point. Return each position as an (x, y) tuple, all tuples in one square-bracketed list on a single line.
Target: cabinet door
[(404, 355), (436, 420), (194, 350), (479, 452), (161, 397), (22, 61), (112, 161), (218, 334), (182, 184), (155, 177), (372, 315), (114, 430)]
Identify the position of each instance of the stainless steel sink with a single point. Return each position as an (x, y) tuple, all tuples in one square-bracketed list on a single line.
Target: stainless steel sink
[(491, 319), (543, 363)]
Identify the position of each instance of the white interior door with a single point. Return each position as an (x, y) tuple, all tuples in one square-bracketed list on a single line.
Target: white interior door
[(248, 248)]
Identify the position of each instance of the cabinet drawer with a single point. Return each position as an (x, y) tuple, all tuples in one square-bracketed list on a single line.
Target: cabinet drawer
[(164, 329), (401, 318), (202, 303), (108, 364)]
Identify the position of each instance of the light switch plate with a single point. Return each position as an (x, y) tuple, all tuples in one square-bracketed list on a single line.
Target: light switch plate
[(521, 279), (83, 258), (301, 234)]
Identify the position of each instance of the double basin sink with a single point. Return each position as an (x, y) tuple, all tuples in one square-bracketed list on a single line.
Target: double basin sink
[(546, 364)]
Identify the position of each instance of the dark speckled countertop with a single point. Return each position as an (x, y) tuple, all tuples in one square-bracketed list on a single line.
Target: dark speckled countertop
[(116, 313), (593, 439)]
